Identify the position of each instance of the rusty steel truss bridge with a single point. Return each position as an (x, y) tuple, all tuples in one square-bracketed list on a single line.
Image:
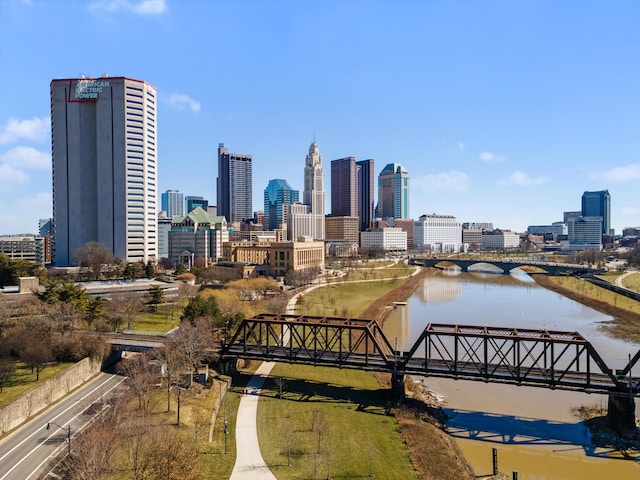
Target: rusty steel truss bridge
[(528, 357)]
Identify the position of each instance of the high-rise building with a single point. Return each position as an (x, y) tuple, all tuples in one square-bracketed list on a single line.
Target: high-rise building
[(366, 190), (344, 188), (393, 192), (438, 233), (105, 170), (173, 203), (313, 193), (234, 187), (277, 195), (598, 204), (192, 202)]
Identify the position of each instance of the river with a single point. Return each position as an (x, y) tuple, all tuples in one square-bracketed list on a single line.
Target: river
[(533, 429)]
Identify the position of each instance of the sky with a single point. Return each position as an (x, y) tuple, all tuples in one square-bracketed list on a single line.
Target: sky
[(502, 111)]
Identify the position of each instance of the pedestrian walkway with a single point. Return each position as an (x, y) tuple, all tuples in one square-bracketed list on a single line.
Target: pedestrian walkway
[(249, 462)]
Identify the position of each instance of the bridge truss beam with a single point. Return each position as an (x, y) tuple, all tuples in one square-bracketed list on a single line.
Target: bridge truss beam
[(330, 341)]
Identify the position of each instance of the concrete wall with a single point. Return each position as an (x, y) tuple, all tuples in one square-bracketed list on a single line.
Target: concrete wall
[(47, 392)]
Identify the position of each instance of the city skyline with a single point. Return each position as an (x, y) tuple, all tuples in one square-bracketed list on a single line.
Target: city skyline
[(502, 112)]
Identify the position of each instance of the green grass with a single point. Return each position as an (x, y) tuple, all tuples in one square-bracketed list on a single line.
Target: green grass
[(359, 435), (23, 380), (597, 293), (632, 282), (344, 299), (159, 321)]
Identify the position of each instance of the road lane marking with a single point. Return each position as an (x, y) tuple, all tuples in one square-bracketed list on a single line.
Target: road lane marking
[(57, 416)]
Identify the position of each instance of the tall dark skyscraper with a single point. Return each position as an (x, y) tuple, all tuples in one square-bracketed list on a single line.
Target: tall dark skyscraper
[(234, 192), (344, 188), (393, 192), (366, 189), (277, 194), (598, 204)]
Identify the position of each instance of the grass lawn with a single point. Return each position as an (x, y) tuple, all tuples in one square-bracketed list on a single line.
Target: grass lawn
[(159, 321), (597, 293), (632, 282), (343, 299), (24, 380), (351, 437)]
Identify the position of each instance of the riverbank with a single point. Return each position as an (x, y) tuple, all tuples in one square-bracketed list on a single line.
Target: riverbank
[(625, 324), (434, 454)]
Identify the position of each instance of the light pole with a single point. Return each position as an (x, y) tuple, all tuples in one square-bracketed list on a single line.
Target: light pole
[(68, 429), (226, 430)]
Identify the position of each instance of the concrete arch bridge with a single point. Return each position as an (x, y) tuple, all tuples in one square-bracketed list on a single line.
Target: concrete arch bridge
[(506, 265)]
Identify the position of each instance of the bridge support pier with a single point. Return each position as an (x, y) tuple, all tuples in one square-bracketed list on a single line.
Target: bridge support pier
[(397, 386), (621, 415)]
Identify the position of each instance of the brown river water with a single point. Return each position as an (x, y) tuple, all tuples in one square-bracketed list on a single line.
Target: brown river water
[(533, 429)]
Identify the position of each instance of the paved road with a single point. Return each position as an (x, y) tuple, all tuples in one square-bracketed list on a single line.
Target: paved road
[(26, 451)]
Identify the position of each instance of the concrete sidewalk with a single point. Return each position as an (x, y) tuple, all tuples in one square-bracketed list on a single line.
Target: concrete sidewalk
[(249, 462)]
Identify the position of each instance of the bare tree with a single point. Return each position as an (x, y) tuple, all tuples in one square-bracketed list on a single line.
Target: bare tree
[(7, 369), (36, 353), (141, 378), (95, 256), (93, 450), (125, 309), (319, 426), (173, 459)]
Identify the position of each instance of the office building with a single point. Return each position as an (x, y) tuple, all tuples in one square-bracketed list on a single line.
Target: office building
[(342, 228), (196, 239), (500, 240), (172, 203), (584, 233), (393, 192), (598, 204), (438, 233), (45, 227), (388, 239), (105, 171), (344, 188), (307, 219), (193, 202), (234, 185), (366, 190), (277, 195)]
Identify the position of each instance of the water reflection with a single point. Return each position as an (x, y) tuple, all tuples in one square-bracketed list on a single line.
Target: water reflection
[(529, 423)]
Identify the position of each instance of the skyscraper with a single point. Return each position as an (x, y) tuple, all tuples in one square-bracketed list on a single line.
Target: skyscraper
[(344, 188), (366, 190), (598, 204), (234, 190), (173, 203), (193, 201), (313, 194), (277, 195), (105, 171), (393, 192)]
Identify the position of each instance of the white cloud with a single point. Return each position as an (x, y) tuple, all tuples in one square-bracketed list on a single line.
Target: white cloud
[(620, 174), (36, 129), (11, 177), (142, 7), (522, 180), (27, 157), (181, 101), (452, 181), (492, 157), (460, 145)]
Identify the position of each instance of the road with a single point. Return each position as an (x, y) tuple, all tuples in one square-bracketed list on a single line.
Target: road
[(26, 451)]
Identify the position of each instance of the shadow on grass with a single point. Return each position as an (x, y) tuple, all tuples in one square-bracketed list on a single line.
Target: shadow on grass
[(300, 390), (512, 430)]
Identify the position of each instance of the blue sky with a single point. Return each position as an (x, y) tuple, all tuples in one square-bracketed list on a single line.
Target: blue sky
[(501, 111)]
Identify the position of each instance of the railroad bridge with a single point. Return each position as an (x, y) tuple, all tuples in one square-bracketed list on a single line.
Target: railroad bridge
[(506, 265), (528, 357)]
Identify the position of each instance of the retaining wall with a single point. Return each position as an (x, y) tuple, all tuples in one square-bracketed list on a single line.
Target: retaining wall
[(38, 398)]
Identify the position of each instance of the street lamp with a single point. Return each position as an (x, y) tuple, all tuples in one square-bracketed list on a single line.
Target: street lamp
[(226, 430), (68, 429)]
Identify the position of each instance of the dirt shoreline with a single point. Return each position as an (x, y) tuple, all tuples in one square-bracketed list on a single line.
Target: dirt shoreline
[(625, 325)]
